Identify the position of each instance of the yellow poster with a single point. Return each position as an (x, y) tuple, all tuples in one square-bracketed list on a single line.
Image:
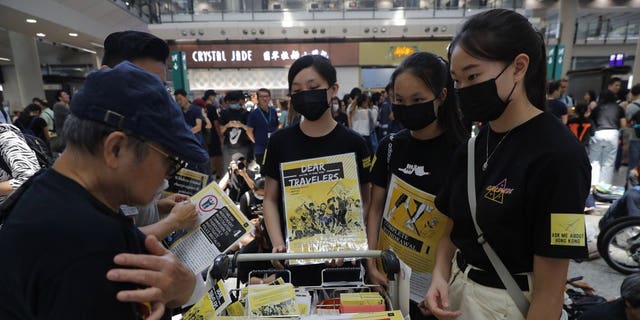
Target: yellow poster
[(323, 205), (267, 300), (412, 226)]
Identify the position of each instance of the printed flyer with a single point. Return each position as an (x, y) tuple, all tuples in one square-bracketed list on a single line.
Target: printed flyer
[(220, 224), (268, 300), (323, 205), (187, 182), (412, 226)]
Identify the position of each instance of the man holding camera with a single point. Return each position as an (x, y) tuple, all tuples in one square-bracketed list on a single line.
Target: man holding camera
[(239, 178)]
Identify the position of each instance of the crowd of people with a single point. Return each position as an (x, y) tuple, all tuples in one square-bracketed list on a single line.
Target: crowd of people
[(513, 195)]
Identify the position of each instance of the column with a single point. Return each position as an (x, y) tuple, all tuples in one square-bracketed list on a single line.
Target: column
[(27, 67), (567, 20), (636, 64)]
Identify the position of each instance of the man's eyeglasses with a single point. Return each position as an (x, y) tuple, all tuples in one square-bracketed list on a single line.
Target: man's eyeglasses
[(175, 163)]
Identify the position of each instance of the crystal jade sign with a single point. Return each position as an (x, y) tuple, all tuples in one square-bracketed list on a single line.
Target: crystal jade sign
[(265, 55)]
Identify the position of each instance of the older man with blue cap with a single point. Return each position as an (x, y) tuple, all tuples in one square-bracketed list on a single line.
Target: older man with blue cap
[(66, 249)]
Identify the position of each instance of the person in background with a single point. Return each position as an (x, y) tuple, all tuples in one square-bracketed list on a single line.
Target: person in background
[(261, 123), (608, 117), (337, 111), (31, 123), (284, 114), (564, 95), (46, 113), (557, 108), (581, 126), (233, 126), (193, 116), (17, 163), (362, 119), (60, 113), (239, 178), (4, 111), (627, 307), (632, 114), (251, 201), (591, 99), (498, 65), (215, 143)]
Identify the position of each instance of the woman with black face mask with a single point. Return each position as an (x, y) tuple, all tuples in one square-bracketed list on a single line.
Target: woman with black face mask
[(515, 201), (420, 156), (312, 83)]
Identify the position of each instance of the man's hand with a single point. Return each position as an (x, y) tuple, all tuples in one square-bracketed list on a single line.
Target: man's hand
[(165, 205), (165, 279), (183, 215)]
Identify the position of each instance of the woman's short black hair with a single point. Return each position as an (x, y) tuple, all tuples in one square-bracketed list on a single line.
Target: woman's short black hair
[(321, 64), (434, 72), (501, 35)]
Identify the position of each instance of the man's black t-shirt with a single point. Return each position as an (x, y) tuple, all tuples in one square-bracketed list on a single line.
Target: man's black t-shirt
[(235, 137), (607, 116), (612, 310), (530, 201), (212, 114), (56, 247), (250, 205), (35, 124), (557, 108), (423, 164)]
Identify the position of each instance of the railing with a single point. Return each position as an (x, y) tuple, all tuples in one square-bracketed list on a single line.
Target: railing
[(229, 10), (145, 10), (607, 31)]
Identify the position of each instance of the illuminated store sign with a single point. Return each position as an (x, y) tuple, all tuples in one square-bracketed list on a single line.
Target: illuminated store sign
[(265, 55)]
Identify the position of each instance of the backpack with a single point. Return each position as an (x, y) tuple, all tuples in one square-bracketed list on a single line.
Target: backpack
[(38, 146)]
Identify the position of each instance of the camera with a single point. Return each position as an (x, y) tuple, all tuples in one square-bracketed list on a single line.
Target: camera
[(240, 165)]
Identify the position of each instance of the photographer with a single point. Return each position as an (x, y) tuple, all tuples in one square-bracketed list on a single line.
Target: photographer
[(239, 178), (251, 201)]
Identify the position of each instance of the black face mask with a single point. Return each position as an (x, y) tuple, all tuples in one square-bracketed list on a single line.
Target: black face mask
[(481, 102), (311, 104), (415, 116)]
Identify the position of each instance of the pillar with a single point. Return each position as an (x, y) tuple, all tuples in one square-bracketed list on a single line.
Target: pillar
[(567, 21), (27, 68), (636, 64)]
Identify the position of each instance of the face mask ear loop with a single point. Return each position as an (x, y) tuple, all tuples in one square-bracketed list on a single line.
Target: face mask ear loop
[(501, 72)]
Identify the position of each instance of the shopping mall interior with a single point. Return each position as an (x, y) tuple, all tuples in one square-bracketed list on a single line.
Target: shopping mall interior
[(48, 45)]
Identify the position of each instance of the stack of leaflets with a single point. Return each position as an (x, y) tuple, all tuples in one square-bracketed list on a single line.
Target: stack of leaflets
[(269, 301)]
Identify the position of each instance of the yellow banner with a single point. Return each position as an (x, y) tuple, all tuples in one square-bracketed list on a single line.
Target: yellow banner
[(411, 225), (323, 205), (392, 53)]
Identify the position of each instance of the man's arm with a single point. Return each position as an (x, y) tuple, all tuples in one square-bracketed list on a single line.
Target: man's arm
[(198, 127), (250, 134), (182, 216)]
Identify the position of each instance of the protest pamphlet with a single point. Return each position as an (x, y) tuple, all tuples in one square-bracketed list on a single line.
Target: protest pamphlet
[(212, 304), (411, 227), (187, 182), (323, 205), (220, 224), (268, 300)]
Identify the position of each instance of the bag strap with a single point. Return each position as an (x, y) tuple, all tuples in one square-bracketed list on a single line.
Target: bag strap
[(389, 152), (510, 284)]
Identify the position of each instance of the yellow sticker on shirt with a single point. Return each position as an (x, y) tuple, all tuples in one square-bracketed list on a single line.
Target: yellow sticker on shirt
[(366, 162), (568, 229)]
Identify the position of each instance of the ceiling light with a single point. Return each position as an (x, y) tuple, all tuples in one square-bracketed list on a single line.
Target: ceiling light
[(32, 21), (383, 29), (73, 34), (98, 45), (41, 35), (4, 59)]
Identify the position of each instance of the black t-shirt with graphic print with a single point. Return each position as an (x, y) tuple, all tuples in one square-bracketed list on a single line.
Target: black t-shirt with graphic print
[(235, 137), (530, 201), (423, 164), (291, 144)]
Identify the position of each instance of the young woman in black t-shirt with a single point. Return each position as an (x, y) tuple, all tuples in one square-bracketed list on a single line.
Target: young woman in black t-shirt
[(312, 83), (418, 155), (531, 179)]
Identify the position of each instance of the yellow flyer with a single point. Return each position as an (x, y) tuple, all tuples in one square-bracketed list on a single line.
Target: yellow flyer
[(323, 205), (412, 226), (267, 300), (220, 224), (212, 304)]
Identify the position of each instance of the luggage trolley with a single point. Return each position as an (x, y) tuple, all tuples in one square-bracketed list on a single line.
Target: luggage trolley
[(323, 296)]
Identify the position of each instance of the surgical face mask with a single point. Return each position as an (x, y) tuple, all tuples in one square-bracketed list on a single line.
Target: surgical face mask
[(311, 104), (234, 106), (415, 116), (259, 197), (335, 107), (481, 102)]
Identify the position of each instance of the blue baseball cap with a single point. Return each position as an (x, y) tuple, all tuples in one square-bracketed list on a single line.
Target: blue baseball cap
[(133, 100)]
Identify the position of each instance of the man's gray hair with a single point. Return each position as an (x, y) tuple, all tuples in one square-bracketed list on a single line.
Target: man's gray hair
[(88, 135)]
